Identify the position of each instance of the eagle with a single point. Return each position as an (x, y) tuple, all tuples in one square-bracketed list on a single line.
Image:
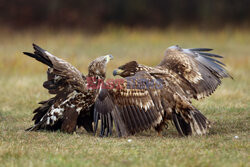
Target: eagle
[(153, 97), (74, 99)]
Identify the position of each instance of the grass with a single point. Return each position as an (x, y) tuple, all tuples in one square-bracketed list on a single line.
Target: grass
[(21, 88)]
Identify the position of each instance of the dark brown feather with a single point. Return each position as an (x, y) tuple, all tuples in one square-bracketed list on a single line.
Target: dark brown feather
[(73, 99), (183, 74)]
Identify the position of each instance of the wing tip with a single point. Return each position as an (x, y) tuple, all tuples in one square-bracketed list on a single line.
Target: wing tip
[(230, 76), (210, 55), (29, 54), (38, 48), (201, 49)]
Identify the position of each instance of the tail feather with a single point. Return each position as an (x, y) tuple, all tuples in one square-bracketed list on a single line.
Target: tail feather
[(198, 124), (182, 127)]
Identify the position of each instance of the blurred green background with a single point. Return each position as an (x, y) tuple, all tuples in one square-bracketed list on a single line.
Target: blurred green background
[(94, 15)]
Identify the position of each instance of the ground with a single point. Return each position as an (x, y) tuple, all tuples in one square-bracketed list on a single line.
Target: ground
[(21, 89)]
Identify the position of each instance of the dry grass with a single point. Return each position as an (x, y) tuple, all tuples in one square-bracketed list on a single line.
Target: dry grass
[(21, 88)]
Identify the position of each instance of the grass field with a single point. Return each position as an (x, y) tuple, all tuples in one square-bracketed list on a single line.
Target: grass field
[(21, 89)]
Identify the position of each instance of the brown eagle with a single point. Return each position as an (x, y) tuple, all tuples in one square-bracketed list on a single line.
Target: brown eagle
[(154, 96), (73, 102)]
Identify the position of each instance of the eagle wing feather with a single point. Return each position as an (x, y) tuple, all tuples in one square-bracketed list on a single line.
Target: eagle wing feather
[(67, 83), (200, 69), (133, 109), (61, 74)]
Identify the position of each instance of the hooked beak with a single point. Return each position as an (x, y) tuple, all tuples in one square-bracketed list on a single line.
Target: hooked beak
[(109, 57), (117, 72)]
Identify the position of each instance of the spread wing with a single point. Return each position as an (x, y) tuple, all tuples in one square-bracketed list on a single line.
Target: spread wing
[(134, 106), (200, 69), (61, 74), (67, 83)]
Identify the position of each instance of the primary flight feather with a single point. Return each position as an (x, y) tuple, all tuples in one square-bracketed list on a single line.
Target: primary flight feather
[(161, 94)]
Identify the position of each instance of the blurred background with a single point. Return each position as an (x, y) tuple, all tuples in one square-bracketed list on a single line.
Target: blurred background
[(98, 14), (81, 30)]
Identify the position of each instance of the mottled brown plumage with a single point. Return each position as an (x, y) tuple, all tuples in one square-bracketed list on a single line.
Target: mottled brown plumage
[(73, 100), (132, 109), (183, 74)]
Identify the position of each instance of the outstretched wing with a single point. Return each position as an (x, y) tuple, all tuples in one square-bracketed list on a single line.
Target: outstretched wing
[(134, 106), (61, 74), (67, 83), (199, 68)]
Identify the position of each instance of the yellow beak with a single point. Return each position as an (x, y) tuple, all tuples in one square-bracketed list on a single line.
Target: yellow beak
[(117, 72)]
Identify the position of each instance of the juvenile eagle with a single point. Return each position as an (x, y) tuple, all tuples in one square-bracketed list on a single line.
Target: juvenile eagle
[(73, 101), (154, 96)]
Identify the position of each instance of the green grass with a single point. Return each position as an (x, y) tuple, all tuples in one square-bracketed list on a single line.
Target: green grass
[(21, 88)]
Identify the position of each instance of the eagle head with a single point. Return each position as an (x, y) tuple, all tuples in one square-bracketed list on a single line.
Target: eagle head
[(98, 66), (128, 69)]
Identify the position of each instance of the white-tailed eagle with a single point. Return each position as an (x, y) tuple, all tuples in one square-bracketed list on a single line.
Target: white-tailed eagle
[(74, 99), (151, 97)]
